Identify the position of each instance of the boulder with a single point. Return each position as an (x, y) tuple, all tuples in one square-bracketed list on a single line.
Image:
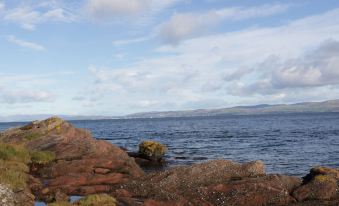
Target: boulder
[(320, 184), (82, 165), (152, 150)]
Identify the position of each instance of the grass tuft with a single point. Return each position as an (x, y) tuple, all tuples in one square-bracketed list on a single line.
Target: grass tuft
[(13, 174), (97, 200), (60, 204), (32, 136), (42, 157), (11, 152), (14, 160)]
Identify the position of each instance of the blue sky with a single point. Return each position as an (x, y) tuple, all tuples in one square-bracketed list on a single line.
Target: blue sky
[(114, 57)]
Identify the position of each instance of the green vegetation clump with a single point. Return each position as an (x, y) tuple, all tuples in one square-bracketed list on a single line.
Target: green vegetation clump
[(13, 174), (32, 136), (14, 160), (11, 152), (54, 123), (91, 200), (97, 200), (152, 149), (42, 157), (13, 165)]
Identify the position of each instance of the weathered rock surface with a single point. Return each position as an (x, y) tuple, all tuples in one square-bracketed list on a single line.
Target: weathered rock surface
[(82, 166), (218, 182), (10, 197), (320, 184), (7, 196)]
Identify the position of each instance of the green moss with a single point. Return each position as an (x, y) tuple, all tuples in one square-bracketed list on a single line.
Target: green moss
[(58, 129), (42, 157), (97, 200), (323, 178), (32, 136), (54, 124)]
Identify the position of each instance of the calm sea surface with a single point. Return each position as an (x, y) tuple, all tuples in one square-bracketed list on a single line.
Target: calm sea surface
[(289, 144)]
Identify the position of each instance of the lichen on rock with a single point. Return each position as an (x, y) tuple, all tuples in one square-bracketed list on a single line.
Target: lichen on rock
[(152, 149), (320, 184), (7, 197)]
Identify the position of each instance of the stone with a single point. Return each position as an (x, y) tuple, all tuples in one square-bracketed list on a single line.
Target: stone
[(152, 150), (7, 196), (320, 184), (218, 182), (81, 162)]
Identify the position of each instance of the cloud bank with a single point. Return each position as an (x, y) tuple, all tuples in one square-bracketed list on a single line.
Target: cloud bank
[(258, 65), (182, 26)]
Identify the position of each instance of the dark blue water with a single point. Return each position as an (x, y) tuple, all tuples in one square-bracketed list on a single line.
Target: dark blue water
[(289, 144)]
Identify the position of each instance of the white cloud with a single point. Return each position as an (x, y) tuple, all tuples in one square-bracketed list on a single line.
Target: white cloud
[(28, 17), (2, 7), (28, 88), (24, 96), (107, 8), (26, 44), (129, 41), (208, 71), (237, 13), (186, 25), (315, 69), (133, 11), (119, 56), (146, 103)]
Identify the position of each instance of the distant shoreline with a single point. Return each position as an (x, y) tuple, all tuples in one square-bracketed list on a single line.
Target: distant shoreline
[(184, 117), (330, 106)]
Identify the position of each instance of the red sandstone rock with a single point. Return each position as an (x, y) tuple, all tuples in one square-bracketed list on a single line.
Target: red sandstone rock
[(81, 161), (86, 166), (320, 184), (217, 182)]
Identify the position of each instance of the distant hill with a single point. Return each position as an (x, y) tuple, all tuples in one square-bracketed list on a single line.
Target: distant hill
[(305, 107), (326, 106)]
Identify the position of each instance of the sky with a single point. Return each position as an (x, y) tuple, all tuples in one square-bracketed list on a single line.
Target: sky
[(116, 57)]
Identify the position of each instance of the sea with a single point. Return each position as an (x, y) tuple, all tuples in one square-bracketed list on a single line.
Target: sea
[(288, 144)]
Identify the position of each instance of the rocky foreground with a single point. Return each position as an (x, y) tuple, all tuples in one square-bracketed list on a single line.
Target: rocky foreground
[(84, 166)]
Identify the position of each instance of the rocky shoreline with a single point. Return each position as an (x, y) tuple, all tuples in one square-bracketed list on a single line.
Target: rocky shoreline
[(83, 166)]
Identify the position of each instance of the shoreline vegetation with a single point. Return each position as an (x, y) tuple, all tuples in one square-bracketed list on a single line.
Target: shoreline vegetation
[(50, 160)]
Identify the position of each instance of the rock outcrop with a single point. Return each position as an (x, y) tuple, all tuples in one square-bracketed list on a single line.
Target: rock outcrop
[(320, 184), (218, 182), (67, 161), (150, 155), (82, 164)]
